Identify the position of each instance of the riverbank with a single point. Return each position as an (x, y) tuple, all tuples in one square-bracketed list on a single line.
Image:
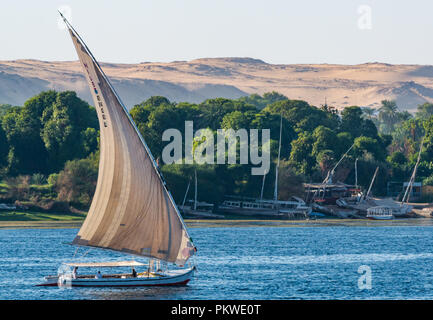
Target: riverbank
[(29, 216), (192, 223)]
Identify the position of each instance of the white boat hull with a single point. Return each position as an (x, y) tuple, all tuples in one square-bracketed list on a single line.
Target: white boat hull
[(171, 278), (380, 217)]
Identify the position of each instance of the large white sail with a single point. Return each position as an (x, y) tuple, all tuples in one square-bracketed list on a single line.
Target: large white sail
[(131, 211)]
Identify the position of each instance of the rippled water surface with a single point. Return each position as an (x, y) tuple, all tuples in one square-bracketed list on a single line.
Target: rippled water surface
[(245, 263)]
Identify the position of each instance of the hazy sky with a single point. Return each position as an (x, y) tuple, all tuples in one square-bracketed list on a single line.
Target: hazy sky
[(276, 31)]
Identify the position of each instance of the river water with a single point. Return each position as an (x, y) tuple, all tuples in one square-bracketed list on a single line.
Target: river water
[(252, 262)]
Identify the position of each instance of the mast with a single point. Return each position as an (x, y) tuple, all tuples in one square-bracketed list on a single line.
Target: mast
[(278, 163), (409, 187), (186, 193), (328, 178), (331, 172), (195, 194), (356, 173), (371, 183), (263, 186)]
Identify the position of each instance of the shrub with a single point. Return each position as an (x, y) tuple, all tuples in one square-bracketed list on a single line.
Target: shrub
[(77, 181), (38, 178)]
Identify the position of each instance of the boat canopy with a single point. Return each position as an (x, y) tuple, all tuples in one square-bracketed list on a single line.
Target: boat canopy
[(380, 210), (105, 264), (335, 186)]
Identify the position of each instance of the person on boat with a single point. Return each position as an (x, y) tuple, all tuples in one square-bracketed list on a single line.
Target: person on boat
[(74, 273), (98, 275), (134, 273)]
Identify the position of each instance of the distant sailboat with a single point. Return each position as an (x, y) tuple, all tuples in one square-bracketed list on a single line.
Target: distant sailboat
[(132, 211), (197, 209)]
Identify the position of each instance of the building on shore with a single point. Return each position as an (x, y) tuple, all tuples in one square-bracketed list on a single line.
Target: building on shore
[(328, 193), (396, 190)]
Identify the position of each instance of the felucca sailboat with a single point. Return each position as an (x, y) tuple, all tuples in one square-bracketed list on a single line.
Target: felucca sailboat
[(132, 211)]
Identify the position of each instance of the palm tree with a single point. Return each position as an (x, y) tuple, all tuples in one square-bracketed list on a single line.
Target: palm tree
[(369, 112), (388, 115), (424, 110)]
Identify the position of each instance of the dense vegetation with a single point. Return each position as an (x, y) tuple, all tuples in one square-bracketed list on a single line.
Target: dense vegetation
[(49, 146)]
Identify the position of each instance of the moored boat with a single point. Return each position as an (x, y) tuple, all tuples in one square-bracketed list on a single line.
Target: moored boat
[(380, 213), (197, 209), (293, 208)]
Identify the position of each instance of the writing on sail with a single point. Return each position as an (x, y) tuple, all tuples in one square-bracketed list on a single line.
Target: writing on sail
[(98, 98)]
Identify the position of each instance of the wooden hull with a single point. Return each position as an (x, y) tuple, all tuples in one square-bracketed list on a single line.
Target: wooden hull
[(380, 217), (201, 214), (172, 278), (398, 210), (264, 212)]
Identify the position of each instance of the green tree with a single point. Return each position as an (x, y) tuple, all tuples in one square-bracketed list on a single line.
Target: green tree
[(27, 153), (261, 102), (406, 135), (4, 108), (343, 142), (4, 147), (273, 96), (289, 182), (326, 160), (301, 158), (301, 116), (209, 184), (369, 113), (157, 101), (428, 141), (237, 120), (424, 111), (325, 139), (398, 164), (76, 183), (397, 159), (388, 116), (140, 113), (65, 129), (89, 141), (162, 118), (352, 121), (366, 147), (369, 129), (267, 120), (214, 110), (48, 127)]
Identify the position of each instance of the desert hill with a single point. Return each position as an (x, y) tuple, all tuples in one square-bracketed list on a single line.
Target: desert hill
[(340, 85)]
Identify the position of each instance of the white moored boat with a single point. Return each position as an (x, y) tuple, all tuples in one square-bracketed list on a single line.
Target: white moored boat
[(380, 213), (132, 211)]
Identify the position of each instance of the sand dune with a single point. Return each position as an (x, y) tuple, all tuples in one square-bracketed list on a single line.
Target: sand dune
[(341, 85)]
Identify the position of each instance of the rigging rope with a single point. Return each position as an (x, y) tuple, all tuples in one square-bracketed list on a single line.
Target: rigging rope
[(86, 253), (75, 253)]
